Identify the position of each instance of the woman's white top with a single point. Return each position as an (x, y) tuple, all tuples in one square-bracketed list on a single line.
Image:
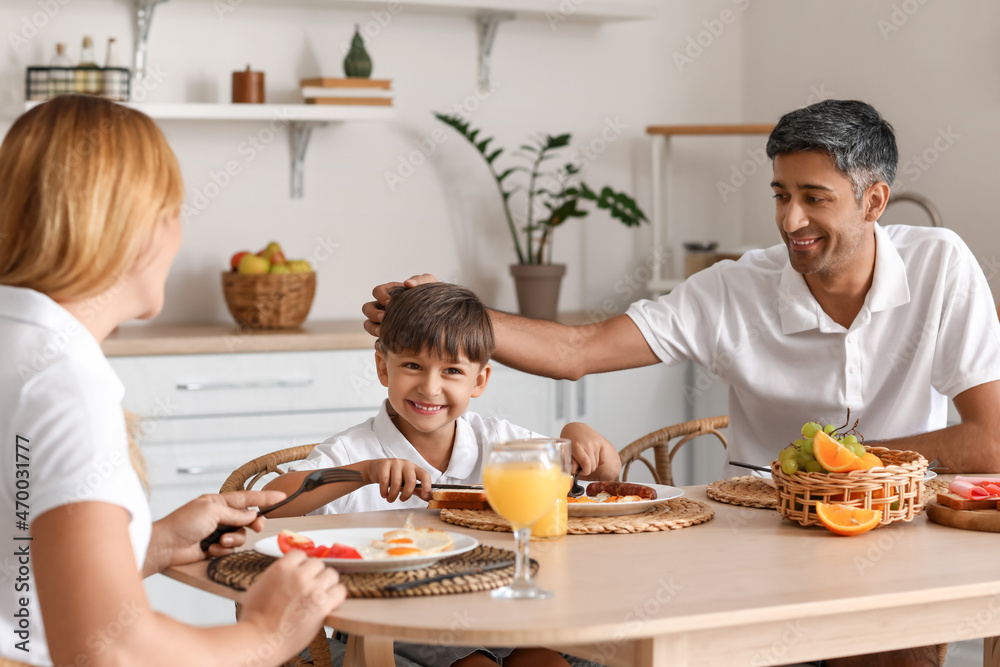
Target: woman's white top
[(63, 442)]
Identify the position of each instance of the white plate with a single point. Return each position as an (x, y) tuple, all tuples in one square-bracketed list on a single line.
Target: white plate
[(358, 537), (663, 494)]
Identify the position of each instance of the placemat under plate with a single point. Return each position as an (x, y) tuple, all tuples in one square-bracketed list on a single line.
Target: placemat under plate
[(238, 571), (932, 487), (671, 515), (748, 491)]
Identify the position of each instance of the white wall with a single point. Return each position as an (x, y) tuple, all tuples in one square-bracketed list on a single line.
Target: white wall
[(446, 217)]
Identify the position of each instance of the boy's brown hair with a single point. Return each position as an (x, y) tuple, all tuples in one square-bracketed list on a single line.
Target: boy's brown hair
[(441, 317)]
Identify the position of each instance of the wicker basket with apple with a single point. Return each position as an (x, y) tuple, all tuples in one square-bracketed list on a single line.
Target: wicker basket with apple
[(265, 291)]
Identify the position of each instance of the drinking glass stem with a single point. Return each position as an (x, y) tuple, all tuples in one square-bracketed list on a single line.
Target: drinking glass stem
[(522, 567)]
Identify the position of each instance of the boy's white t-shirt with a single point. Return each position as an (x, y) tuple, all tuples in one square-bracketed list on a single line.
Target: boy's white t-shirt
[(378, 438)]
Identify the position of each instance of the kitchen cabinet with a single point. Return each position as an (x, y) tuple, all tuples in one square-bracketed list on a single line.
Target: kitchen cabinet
[(204, 415)]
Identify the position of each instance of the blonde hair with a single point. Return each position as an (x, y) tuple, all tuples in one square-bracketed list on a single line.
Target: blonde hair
[(85, 183)]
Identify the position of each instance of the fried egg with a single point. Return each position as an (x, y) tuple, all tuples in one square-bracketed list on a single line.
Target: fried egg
[(407, 543)]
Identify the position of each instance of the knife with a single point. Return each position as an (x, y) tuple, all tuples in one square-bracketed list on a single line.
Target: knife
[(407, 585), (472, 487), (751, 466)]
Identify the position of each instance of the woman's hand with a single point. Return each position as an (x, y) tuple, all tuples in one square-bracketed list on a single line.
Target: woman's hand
[(374, 311), (397, 477), (593, 454), (176, 537), (288, 602)]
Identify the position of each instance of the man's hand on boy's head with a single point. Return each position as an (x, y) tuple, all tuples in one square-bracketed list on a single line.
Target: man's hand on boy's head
[(397, 478), (593, 454), (374, 311)]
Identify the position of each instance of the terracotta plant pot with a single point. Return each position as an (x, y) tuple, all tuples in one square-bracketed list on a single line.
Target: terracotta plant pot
[(538, 289)]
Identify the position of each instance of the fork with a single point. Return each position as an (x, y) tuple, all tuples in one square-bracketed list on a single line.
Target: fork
[(313, 480), (577, 489)]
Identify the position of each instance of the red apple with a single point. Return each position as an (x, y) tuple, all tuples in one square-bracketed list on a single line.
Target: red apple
[(235, 260), (277, 257)]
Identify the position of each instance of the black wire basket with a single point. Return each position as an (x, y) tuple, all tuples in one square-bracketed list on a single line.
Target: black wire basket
[(44, 83)]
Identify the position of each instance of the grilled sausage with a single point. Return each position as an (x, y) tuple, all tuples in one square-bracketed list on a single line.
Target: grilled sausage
[(621, 489)]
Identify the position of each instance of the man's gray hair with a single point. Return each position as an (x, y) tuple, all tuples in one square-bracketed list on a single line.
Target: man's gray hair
[(859, 140)]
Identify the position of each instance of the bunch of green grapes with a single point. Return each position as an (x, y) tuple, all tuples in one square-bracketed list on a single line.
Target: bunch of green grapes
[(799, 455)]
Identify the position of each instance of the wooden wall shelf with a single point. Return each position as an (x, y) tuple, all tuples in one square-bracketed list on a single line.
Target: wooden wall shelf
[(661, 134)]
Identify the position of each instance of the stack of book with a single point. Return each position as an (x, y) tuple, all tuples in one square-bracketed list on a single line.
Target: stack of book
[(350, 91)]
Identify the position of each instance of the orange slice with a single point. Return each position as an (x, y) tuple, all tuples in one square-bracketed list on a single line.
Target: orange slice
[(832, 455), (869, 461), (845, 520)]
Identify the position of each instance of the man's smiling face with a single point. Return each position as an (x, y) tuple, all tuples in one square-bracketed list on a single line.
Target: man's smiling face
[(821, 222)]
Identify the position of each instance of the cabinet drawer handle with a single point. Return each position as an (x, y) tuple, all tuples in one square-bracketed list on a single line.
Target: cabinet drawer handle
[(203, 470), (250, 384)]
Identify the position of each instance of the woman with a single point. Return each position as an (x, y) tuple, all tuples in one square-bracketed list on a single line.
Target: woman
[(89, 199)]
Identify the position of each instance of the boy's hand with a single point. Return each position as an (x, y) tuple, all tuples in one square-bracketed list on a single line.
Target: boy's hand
[(593, 455), (398, 478), (374, 311)]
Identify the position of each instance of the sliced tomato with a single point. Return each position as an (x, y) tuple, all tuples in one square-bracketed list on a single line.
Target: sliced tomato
[(288, 540), (318, 552), (342, 551)]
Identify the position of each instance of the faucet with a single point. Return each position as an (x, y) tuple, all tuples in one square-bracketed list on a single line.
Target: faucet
[(921, 201)]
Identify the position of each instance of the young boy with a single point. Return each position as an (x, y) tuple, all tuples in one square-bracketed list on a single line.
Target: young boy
[(433, 356)]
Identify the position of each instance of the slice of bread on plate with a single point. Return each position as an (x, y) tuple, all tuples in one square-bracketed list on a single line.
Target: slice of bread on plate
[(957, 502), (458, 500)]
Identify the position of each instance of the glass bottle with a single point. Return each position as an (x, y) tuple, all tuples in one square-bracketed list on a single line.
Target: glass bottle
[(114, 77), (88, 75)]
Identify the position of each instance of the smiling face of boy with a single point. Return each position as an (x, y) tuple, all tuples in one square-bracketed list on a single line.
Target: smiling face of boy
[(429, 392)]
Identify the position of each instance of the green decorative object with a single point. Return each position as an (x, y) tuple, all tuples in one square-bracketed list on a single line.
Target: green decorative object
[(358, 64), (553, 195)]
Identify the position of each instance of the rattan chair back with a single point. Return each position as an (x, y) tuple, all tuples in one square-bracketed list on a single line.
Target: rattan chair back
[(663, 452), (244, 478)]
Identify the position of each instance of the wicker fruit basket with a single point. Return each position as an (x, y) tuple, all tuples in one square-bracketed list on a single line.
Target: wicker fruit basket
[(269, 301), (900, 484)]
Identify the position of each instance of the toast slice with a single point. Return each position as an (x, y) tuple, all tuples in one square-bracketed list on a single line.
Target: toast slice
[(458, 500), (957, 502)]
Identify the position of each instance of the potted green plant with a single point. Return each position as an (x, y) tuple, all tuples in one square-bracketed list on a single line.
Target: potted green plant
[(552, 196)]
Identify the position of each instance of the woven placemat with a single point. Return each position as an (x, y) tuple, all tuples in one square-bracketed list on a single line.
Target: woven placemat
[(238, 571), (933, 487), (748, 491), (671, 515)]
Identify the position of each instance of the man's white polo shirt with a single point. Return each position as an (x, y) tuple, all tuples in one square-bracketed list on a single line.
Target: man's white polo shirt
[(928, 331), (378, 438)]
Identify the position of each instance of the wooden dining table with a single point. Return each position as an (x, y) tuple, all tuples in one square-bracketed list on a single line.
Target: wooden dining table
[(746, 588)]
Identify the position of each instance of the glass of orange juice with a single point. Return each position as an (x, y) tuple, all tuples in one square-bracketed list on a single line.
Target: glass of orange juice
[(522, 479), (554, 523)]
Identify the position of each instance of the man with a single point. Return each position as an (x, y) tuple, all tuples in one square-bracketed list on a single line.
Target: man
[(889, 322)]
